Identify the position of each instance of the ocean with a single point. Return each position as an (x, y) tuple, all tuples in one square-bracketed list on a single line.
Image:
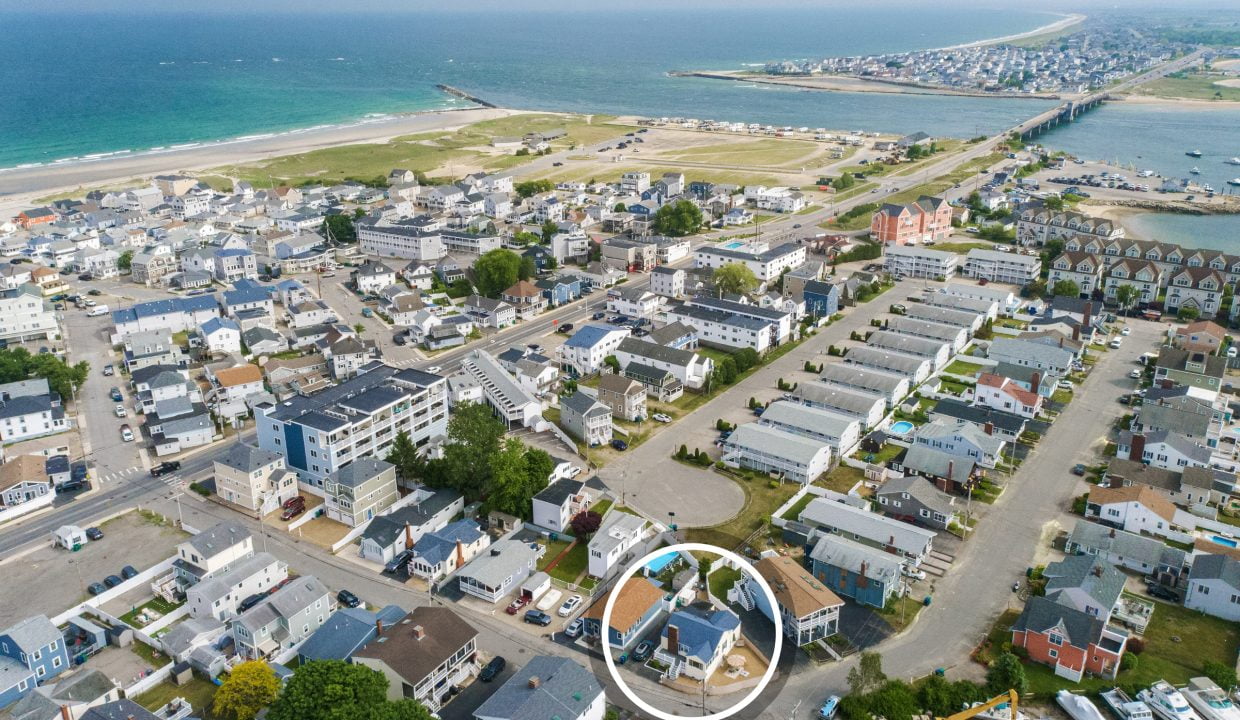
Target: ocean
[(104, 83)]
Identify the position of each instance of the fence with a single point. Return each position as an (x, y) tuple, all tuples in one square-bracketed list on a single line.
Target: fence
[(12, 513), (93, 604)]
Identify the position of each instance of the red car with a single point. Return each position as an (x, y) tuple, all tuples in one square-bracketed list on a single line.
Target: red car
[(515, 606)]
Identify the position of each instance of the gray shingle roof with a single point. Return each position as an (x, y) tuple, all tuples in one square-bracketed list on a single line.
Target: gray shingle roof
[(1217, 567), (1101, 580), (218, 537), (1042, 614), (248, 458), (32, 633)]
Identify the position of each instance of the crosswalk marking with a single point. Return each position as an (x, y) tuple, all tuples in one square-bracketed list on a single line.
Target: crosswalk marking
[(121, 474)]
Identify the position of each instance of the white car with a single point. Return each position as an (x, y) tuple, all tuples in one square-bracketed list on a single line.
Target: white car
[(574, 471), (1135, 374), (120, 411), (910, 572), (574, 628), (1231, 351), (660, 417), (433, 369), (569, 606), (1115, 344), (1126, 331), (1065, 385)]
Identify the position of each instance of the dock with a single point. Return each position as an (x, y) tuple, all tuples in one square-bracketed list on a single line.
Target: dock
[(457, 92)]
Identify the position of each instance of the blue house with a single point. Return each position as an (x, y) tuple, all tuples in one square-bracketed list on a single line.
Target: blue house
[(848, 568), (822, 299), (561, 290), (347, 631), (698, 641), (636, 608), (541, 256), (646, 208), (32, 652)]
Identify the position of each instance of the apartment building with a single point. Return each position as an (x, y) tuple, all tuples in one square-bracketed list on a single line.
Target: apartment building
[(1002, 267), (907, 261)]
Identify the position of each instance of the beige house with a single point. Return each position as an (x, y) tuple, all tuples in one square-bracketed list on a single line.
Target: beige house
[(360, 490), (254, 478), (423, 655), (625, 396)]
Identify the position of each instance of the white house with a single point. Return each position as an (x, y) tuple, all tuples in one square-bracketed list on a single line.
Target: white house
[(586, 350), (619, 533), (1214, 587)]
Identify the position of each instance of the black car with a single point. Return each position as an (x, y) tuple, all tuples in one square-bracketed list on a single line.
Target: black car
[(643, 651), (112, 580), (399, 339), (129, 571), (566, 328), (598, 316), (78, 471), (493, 669), (86, 276), (94, 292), (1162, 592), (250, 602), (1078, 469), (348, 599), (96, 588), (619, 444), (94, 533), (396, 563), (537, 617), (70, 486), (165, 467)]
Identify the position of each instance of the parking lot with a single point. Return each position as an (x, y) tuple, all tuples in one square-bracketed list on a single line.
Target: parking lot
[(53, 579)]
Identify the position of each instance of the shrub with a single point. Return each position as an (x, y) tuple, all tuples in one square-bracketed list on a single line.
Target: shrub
[(1129, 662), (773, 484), (1136, 645), (200, 489)]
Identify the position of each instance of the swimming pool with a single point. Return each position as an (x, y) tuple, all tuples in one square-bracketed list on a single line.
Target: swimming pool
[(903, 427), (733, 245), (1223, 541), (654, 566)]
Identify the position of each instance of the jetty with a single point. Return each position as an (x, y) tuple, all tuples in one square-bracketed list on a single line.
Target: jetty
[(457, 92)]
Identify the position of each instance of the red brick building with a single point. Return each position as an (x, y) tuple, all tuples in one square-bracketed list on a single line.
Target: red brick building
[(1068, 640), (927, 220), (36, 216)]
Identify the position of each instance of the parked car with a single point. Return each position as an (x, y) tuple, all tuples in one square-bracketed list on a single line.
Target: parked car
[(395, 564), (492, 669), (574, 628), (1232, 351), (515, 606), (94, 533), (1115, 344), (129, 571), (569, 606), (165, 467), (94, 292), (126, 433), (1126, 331), (120, 411), (566, 328), (912, 572), (534, 348), (293, 507), (661, 417), (96, 588), (643, 651), (250, 602), (598, 316), (109, 369), (829, 708), (537, 617), (1135, 374), (1079, 469), (399, 338), (112, 580), (348, 599), (433, 369), (619, 444), (115, 394), (1162, 592)]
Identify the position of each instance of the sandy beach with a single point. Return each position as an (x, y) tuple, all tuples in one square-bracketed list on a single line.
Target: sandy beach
[(19, 186), (848, 83), (1064, 23), (1172, 103)]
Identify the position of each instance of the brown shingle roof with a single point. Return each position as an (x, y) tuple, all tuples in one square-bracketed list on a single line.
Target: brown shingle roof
[(443, 634), (23, 468), (795, 588), (635, 599), (239, 375), (1143, 494)]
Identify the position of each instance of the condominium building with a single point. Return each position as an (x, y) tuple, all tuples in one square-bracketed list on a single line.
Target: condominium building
[(25, 316), (767, 263), (1002, 267), (902, 260)]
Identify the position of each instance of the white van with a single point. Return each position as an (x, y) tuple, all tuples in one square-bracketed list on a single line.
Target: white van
[(97, 310)]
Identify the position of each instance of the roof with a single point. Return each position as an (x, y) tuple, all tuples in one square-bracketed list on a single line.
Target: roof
[(443, 632), (868, 378), (124, 709), (807, 418), (1141, 494), (885, 359), (248, 458), (346, 631), (701, 632), (944, 427), (634, 601), (853, 402), (435, 547), (545, 688), (1132, 472), (617, 527), (770, 440), (1009, 386), (384, 529), (1042, 614), (978, 415), (1217, 567), (922, 491), (181, 637), (239, 375), (795, 587), (218, 537), (361, 471), (1098, 578), (500, 562), (22, 469), (1178, 359), (1126, 545), (610, 382), (841, 518), (590, 335), (33, 633), (559, 491), (655, 351), (583, 404)]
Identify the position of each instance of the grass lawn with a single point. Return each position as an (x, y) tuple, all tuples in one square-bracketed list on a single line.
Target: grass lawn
[(750, 152), (366, 161), (197, 691), (794, 512), (722, 580), (1062, 396), (953, 387), (901, 612), (858, 221), (150, 655), (889, 451), (554, 548), (963, 248), (1192, 86), (961, 367), (573, 564), (841, 479), (934, 187), (601, 507), (1012, 323), (217, 182), (761, 501), (971, 168), (159, 605), (602, 171), (1201, 639)]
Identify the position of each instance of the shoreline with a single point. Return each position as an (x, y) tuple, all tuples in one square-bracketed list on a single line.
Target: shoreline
[(1064, 22), (853, 84), (1153, 101), (25, 184)]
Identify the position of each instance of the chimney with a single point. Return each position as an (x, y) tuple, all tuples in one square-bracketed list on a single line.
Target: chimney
[(990, 428), (673, 639), (1137, 451), (534, 682), (1096, 571), (1111, 534), (1035, 382), (1076, 335), (1060, 342), (408, 536), (460, 554), (951, 465), (1089, 313), (419, 633), (378, 627), (65, 713)]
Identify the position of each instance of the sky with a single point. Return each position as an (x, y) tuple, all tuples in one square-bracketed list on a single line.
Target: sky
[(353, 6)]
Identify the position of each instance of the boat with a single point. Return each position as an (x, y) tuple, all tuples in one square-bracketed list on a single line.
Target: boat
[(1124, 707), (1193, 153), (1195, 171), (1167, 702), (1233, 160), (1002, 711), (1078, 707), (1209, 700), (1234, 181)]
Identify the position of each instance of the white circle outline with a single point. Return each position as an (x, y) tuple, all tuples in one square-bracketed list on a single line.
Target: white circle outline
[(748, 569)]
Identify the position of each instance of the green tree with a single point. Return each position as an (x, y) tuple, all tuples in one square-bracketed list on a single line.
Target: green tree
[(1126, 295), (745, 359), (531, 188), (526, 238), (404, 455), (894, 700), (867, 674), (549, 229), (496, 271), (460, 288), (725, 371), (936, 696), (1187, 314), (734, 279), (620, 207), (612, 362), (843, 182), (679, 218), (1222, 674), (359, 328), (63, 379), (1006, 673), (1065, 288), (125, 261), (473, 437), (338, 690), (704, 569), (528, 268), (1053, 202), (340, 228), (509, 481), (248, 688)]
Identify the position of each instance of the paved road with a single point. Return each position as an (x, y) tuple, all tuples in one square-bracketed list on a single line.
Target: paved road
[(1024, 519)]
